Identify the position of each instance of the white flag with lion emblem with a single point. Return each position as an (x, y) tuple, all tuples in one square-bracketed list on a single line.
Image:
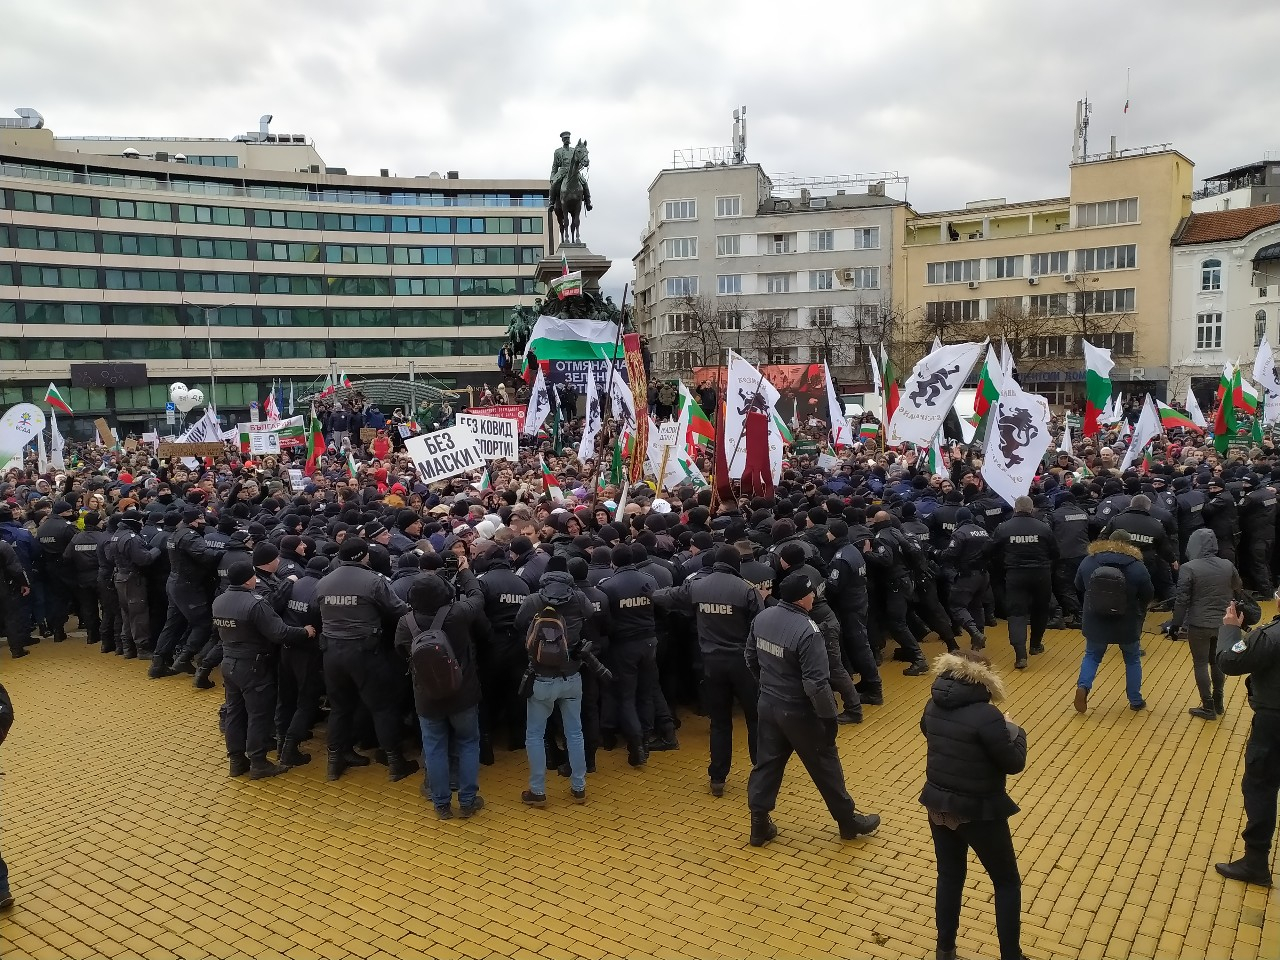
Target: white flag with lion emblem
[(1017, 439), (746, 390), (930, 392)]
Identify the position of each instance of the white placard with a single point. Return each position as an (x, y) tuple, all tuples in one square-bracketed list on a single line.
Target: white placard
[(263, 442), (668, 434), (445, 453), (827, 462), (496, 437), (296, 479)]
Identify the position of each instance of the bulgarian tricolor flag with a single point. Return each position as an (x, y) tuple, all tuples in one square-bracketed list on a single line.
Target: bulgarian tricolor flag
[(1224, 419), (783, 429), (869, 430), (885, 378), (315, 444), (486, 482), (351, 464), (549, 483), (1171, 419), (697, 424), (344, 380), (563, 339), (567, 284), (54, 399), (1245, 395), (988, 391), (1097, 386)]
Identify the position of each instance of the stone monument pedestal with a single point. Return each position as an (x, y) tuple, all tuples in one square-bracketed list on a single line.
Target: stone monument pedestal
[(592, 265)]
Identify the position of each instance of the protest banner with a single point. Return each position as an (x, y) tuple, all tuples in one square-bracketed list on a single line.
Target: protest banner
[(444, 454), (496, 437)]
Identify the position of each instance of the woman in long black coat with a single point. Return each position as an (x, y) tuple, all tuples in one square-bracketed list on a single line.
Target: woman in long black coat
[(972, 748)]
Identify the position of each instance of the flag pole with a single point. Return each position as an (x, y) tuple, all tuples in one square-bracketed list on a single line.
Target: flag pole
[(743, 432), (613, 362)]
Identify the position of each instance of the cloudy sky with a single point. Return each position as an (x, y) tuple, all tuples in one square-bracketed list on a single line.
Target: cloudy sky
[(969, 99)]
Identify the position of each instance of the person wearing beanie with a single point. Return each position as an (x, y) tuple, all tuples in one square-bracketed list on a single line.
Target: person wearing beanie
[(354, 603), (251, 632), (1117, 588), (723, 605), (81, 559), (53, 535), (634, 645), (194, 561), (797, 713), (1028, 549), (601, 565), (292, 556), (964, 561)]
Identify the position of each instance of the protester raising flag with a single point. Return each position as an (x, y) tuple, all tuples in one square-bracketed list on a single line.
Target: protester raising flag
[(841, 432), (486, 482), (567, 284), (315, 444), (1171, 419), (1148, 429), (1017, 437), (1097, 386), (988, 387), (885, 379), (54, 399), (930, 393), (1224, 418), (869, 430), (549, 483), (1193, 409), (351, 463), (696, 422)]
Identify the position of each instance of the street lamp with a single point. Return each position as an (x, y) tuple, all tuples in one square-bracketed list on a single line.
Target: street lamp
[(208, 332)]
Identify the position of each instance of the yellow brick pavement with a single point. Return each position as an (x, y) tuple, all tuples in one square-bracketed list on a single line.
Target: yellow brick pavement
[(126, 839)]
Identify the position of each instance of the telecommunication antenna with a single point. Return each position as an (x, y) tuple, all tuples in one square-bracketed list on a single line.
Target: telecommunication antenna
[(740, 134), (1080, 145)]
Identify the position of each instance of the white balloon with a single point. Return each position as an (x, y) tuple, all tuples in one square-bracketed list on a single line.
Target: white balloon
[(196, 397), (176, 390)]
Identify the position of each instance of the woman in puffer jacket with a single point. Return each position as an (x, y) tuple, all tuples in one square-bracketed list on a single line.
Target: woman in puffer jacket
[(972, 748)]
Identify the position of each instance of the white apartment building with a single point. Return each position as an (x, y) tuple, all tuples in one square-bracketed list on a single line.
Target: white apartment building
[(729, 262)]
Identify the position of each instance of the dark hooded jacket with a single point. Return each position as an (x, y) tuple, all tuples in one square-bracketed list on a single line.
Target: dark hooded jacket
[(971, 747), (466, 615), (1128, 559), (1206, 583)]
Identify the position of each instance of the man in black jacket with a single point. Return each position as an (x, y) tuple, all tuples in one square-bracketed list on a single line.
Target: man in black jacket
[(54, 534), (14, 586), (1149, 535), (1258, 536), (193, 564), (502, 656), (81, 559), (723, 605), (132, 557), (1222, 517), (1028, 548), (965, 561), (358, 666), (894, 588), (301, 678), (250, 633), (847, 594)]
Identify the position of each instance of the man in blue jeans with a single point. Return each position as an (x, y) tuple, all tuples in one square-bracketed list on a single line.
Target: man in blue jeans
[(1114, 609), (457, 713), (561, 618)]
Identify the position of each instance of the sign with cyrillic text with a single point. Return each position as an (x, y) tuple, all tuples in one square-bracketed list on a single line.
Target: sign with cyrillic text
[(444, 454), (495, 436)]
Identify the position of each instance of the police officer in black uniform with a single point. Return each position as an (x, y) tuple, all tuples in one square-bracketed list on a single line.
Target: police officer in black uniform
[(132, 557), (723, 605), (1221, 515), (1150, 535), (1028, 548), (301, 676), (1258, 656), (81, 558), (359, 665), (1190, 512), (193, 564), (965, 561), (54, 534), (847, 594), (1070, 523), (502, 655), (250, 633), (1258, 536), (894, 588), (107, 596), (14, 586), (786, 653)]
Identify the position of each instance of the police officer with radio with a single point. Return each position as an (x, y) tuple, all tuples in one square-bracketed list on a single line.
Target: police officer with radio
[(359, 667), (132, 557), (250, 631), (1028, 548), (786, 654), (54, 534), (723, 605), (1258, 657)]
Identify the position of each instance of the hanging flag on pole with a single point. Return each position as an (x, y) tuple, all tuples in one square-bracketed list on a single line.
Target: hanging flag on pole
[(695, 426), (1148, 429), (930, 392), (841, 432), (747, 391), (54, 399), (56, 444), (1171, 419), (272, 411), (988, 391), (315, 444), (1097, 386), (892, 392), (1193, 409), (539, 406), (592, 421), (549, 483), (1017, 438), (352, 468), (567, 284)]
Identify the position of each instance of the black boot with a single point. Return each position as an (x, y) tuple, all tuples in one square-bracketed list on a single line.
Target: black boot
[(977, 639), (1251, 868), (399, 767), (665, 741), (130, 651), (261, 769), (872, 695), (486, 751), (159, 668), (1219, 703), (290, 755), (183, 664), (336, 766), (637, 756), (1205, 711), (239, 765), (762, 829), (201, 680)]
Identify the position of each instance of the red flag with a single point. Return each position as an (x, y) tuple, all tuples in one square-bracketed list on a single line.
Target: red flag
[(724, 486), (757, 477)]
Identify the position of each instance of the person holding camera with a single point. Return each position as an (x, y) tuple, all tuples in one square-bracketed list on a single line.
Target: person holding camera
[(1258, 657), (558, 623), (1206, 585)]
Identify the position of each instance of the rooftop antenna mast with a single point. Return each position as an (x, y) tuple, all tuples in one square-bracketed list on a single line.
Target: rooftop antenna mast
[(1080, 145), (740, 134)]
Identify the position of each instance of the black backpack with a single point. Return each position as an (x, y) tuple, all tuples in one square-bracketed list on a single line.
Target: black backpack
[(1107, 592), (436, 671), (547, 641)]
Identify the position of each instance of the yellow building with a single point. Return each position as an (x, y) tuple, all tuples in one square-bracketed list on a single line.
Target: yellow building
[(1047, 273)]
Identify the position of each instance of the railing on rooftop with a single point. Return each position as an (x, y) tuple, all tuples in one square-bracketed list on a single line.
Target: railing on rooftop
[(1127, 152), (219, 188)]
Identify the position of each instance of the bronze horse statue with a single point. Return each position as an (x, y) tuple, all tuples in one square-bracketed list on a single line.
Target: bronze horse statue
[(568, 206)]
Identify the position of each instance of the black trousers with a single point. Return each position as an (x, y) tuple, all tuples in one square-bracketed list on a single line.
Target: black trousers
[(1210, 681), (1027, 594), (353, 677), (726, 681), (17, 620), (993, 844), (250, 706), (502, 704), (112, 622), (1255, 564), (1064, 585), (57, 603), (840, 681), (929, 608), (87, 600), (1162, 577), (893, 619), (784, 731), (856, 644), (965, 599), (1261, 782), (300, 681), (640, 701), (132, 592)]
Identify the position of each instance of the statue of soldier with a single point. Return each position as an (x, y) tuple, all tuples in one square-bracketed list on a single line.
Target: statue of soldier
[(560, 166)]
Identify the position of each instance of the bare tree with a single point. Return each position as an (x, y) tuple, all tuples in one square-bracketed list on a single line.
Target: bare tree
[(1095, 314), (767, 334), (695, 337)]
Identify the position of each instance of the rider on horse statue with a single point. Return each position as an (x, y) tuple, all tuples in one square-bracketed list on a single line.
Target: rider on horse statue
[(560, 166)]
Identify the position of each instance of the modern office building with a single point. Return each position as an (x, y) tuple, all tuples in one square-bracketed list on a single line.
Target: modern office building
[(1226, 294), (781, 272), (1094, 264), (129, 263)]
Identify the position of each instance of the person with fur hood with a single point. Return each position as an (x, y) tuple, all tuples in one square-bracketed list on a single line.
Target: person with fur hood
[(972, 748), (1117, 589)]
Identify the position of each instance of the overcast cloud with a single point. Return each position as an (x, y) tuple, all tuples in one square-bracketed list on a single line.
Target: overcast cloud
[(970, 99)]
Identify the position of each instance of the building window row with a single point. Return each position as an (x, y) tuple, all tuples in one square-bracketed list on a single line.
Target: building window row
[(1069, 345), (1088, 303), (168, 212), (1056, 262), (1107, 212), (198, 349), (163, 315)]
